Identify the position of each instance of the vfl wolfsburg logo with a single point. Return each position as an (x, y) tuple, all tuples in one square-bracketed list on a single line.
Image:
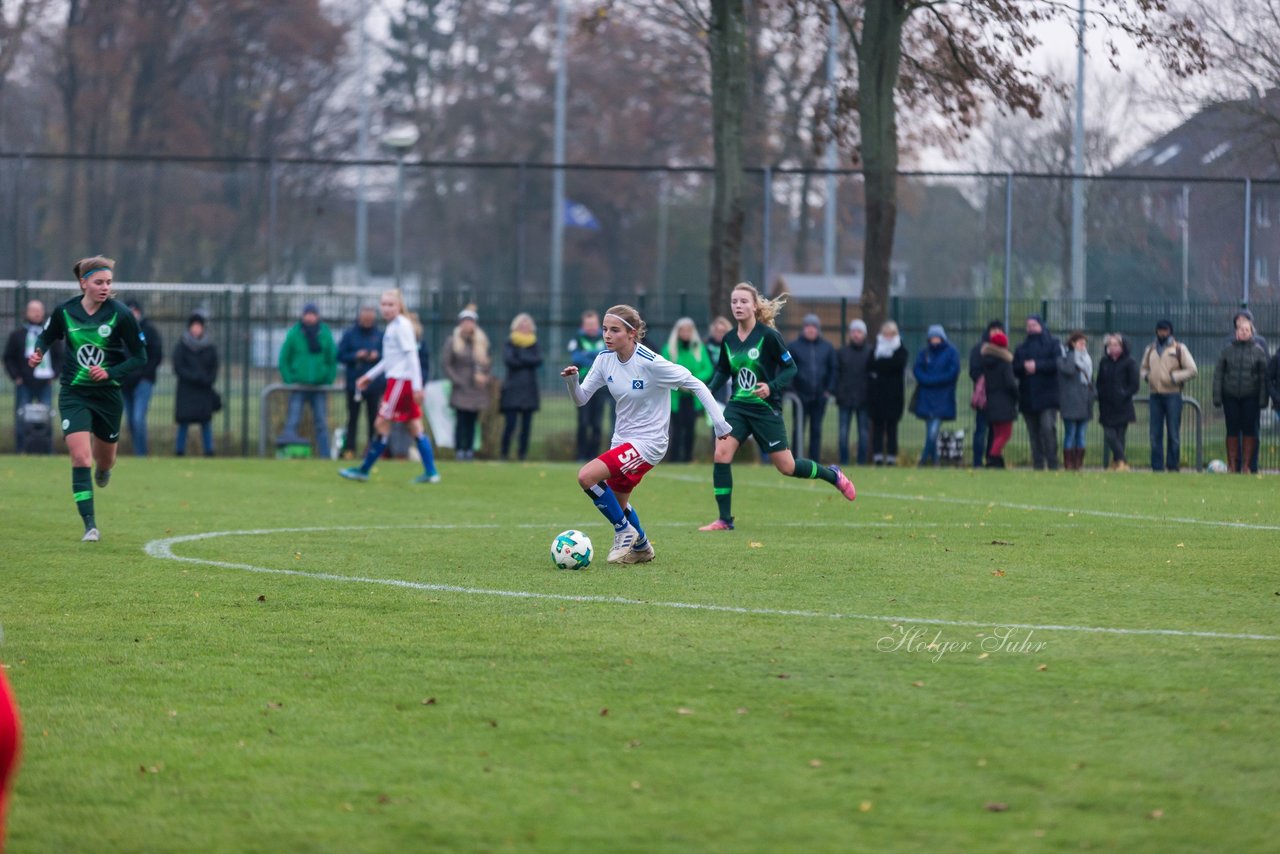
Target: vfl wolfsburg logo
[(89, 355), (104, 330), (746, 378), (753, 353)]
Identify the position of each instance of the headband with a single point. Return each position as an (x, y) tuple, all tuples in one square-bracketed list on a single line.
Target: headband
[(94, 270), (623, 321)]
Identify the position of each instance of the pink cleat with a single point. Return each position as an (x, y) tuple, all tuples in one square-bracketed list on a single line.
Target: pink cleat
[(718, 525), (843, 483)]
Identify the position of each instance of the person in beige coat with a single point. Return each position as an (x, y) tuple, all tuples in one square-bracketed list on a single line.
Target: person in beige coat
[(1166, 367), (467, 363)]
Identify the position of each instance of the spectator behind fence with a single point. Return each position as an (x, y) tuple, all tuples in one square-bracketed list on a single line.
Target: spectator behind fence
[(1166, 366), (583, 349), (359, 350), (1250, 462), (1001, 388), (30, 385), (138, 387), (1273, 381), (1117, 384), (887, 393), (684, 347), (937, 369), (1075, 397), (520, 398), (981, 437), (308, 358), (815, 380), (467, 363), (853, 377), (195, 361), (1035, 364), (1240, 391)]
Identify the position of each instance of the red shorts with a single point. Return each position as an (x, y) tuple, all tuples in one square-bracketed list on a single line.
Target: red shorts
[(398, 403), (626, 467), (10, 733)]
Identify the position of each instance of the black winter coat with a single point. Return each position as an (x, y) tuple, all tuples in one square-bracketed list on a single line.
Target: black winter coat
[(887, 389), (1002, 385), (815, 368), (15, 359), (1273, 379), (1039, 391), (853, 375), (520, 389), (1117, 383), (197, 370), (155, 355)]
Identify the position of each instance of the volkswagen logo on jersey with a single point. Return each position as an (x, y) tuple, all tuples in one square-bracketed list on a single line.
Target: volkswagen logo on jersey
[(637, 384), (104, 330), (89, 356), (746, 378)]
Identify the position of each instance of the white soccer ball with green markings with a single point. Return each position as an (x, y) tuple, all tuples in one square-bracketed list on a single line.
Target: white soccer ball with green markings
[(571, 550)]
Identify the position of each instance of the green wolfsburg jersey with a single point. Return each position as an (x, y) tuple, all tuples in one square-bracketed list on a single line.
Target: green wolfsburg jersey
[(110, 337), (762, 357)]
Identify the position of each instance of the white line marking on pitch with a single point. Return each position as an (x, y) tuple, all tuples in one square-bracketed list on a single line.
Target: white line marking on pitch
[(163, 549), (978, 502)]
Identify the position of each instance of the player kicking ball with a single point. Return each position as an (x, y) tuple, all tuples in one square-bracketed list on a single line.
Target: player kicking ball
[(641, 382)]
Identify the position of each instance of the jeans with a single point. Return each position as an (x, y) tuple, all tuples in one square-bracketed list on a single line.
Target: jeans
[(814, 412), (137, 401), (23, 395), (930, 452), (206, 437), (1073, 434), (980, 448), (318, 402), (847, 414), (1166, 412), (1042, 428)]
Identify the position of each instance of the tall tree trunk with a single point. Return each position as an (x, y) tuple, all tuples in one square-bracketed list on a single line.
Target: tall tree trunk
[(879, 56), (728, 47)]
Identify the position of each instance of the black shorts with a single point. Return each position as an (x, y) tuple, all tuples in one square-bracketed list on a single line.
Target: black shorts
[(98, 410), (759, 421)]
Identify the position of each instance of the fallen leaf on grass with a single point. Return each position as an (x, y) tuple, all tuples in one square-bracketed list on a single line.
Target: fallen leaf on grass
[(1156, 814), (815, 763), (996, 806), (684, 711), (262, 598), (742, 710), (429, 701), (865, 806), (984, 655), (784, 675), (755, 545), (1041, 667), (272, 705), (1180, 546), (917, 684), (604, 713), (998, 573), (1001, 543)]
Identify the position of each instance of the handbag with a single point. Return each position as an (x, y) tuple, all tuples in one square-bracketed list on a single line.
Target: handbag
[(978, 400), (915, 399), (217, 402)]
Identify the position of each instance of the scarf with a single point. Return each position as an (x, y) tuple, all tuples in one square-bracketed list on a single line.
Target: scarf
[(1084, 364), (524, 339), (886, 347), (313, 336), (191, 342)]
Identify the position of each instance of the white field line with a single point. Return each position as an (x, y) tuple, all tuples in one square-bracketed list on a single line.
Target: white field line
[(978, 502), (163, 549)]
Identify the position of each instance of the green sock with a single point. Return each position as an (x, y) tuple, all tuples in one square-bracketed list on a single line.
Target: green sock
[(82, 489), (722, 480), (809, 469)]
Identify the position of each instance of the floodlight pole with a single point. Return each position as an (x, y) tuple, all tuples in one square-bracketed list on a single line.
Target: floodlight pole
[(1077, 182), (555, 308)]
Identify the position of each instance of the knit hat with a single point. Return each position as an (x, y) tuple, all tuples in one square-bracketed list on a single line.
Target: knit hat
[(858, 326), (999, 339), (311, 308), (1165, 324), (1037, 318), (812, 320)]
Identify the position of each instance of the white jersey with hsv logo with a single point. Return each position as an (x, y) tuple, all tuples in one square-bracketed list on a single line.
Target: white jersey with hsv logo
[(399, 354), (641, 387)]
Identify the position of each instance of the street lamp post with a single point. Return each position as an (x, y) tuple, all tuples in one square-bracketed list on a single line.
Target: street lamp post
[(400, 140)]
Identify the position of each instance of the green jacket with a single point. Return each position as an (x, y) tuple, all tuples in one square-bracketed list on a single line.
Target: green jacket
[(299, 366), (698, 361)]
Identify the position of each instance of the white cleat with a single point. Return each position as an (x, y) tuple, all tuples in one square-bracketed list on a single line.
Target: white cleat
[(622, 542), (641, 555), (90, 536)]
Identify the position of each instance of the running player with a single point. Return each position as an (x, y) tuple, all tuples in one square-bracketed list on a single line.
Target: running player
[(104, 345), (756, 359), (402, 400), (640, 381), (10, 744)]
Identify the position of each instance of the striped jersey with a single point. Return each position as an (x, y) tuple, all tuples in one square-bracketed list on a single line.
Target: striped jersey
[(399, 354), (641, 388)]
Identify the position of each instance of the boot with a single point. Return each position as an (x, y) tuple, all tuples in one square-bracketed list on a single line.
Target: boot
[(1233, 453), (1247, 447), (995, 462), (1079, 459)]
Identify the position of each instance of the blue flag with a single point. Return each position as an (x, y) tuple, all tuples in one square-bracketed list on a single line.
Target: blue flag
[(578, 215)]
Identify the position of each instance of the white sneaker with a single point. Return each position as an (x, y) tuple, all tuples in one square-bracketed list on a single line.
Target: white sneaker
[(90, 536), (622, 542), (641, 555)]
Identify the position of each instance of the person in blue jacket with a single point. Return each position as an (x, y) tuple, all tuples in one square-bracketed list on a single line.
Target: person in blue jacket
[(937, 369), (359, 350)]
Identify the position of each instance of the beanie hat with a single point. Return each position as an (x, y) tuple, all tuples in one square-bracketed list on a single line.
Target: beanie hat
[(812, 320), (858, 326), (311, 308), (999, 339), (1165, 324)]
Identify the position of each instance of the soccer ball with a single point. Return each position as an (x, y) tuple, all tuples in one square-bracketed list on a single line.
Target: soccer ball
[(571, 550), (1217, 467)]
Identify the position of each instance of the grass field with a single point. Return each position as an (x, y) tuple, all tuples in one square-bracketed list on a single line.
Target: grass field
[(959, 661)]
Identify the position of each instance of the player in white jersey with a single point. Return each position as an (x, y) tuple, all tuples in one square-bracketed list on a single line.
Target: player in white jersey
[(402, 400), (640, 381)]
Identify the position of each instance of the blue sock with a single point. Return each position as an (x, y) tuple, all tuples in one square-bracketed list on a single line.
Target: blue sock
[(607, 503), (634, 518), (427, 454), (376, 447)]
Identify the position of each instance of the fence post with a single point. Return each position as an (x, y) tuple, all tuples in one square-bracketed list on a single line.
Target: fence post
[(226, 370), (1008, 243), (1248, 236), (765, 258), (1110, 316), (246, 355)]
